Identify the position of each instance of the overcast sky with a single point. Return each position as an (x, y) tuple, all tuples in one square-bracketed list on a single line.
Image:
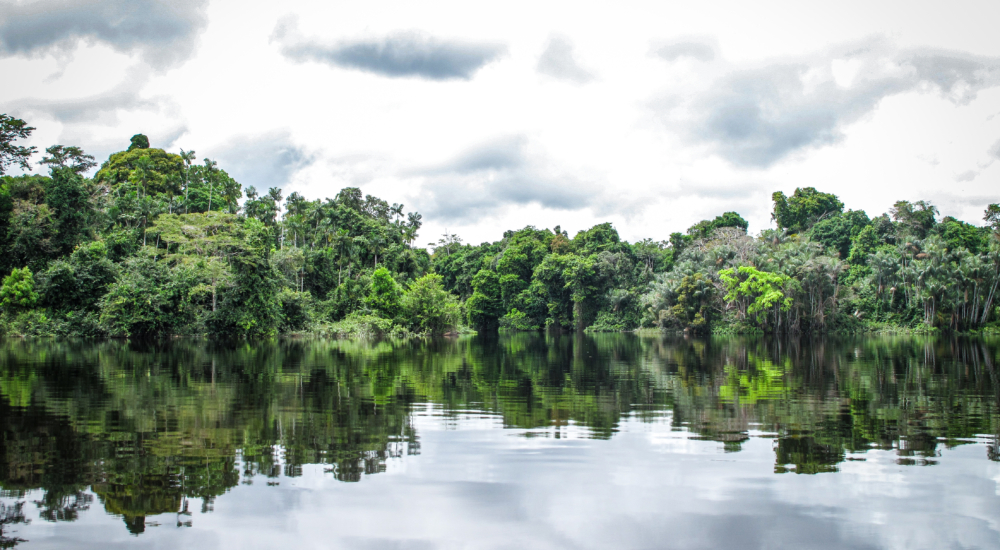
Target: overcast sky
[(486, 117)]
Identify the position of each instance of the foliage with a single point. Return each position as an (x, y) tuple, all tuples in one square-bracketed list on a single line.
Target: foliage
[(12, 129), (249, 306), (151, 170), (363, 325), (804, 208), (384, 294), (429, 309), (914, 219), (755, 293), (693, 310), (72, 158), (147, 298), (705, 228), (157, 243), (18, 291), (485, 306)]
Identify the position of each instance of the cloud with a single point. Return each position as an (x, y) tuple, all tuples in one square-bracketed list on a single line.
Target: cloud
[(493, 176), (699, 49), (398, 55), (162, 33), (263, 161), (759, 116), (995, 150), (966, 176), (559, 62), (102, 106)]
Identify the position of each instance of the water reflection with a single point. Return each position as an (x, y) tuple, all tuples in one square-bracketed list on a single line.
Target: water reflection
[(142, 428)]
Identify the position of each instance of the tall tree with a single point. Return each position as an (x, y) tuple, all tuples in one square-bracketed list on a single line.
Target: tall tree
[(12, 129)]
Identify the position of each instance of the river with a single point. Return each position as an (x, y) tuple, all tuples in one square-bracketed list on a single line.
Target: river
[(519, 440)]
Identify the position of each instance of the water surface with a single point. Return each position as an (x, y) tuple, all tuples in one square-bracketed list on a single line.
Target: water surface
[(516, 441)]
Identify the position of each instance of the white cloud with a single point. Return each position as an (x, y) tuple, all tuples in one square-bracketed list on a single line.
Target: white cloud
[(388, 95)]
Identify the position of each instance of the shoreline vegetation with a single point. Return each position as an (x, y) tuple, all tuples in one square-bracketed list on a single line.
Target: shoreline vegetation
[(156, 244)]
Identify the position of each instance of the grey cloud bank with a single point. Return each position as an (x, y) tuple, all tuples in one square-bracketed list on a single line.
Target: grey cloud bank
[(162, 33), (398, 55), (700, 49), (995, 151), (966, 176), (558, 61), (757, 117), (263, 161), (103, 106), (495, 175)]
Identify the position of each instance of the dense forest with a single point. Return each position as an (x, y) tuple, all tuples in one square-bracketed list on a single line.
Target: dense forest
[(157, 244)]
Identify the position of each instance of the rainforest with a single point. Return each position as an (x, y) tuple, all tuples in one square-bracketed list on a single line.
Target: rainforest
[(158, 244)]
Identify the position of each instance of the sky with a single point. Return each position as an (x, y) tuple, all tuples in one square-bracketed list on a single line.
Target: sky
[(486, 117)]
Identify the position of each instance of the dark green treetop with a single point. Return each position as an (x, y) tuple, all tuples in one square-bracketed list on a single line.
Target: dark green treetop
[(805, 207), (12, 129)]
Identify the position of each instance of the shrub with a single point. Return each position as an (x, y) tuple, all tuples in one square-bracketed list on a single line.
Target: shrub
[(428, 308)]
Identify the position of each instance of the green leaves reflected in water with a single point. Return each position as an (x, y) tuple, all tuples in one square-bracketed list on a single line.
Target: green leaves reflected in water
[(141, 428)]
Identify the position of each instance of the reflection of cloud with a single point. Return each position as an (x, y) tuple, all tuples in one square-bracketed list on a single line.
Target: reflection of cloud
[(264, 161), (699, 49), (757, 117), (401, 54), (495, 175), (162, 33), (559, 62)]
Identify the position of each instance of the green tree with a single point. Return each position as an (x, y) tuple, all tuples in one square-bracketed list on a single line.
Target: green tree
[(155, 170), (138, 141), (18, 291), (12, 129), (428, 308), (485, 307), (148, 298), (79, 281), (705, 228), (69, 157), (805, 207), (205, 241), (836, 232), (250, 306), (992, 218), (914, 219), (384, 294), (693, 310), (756, 293), (74, 216)]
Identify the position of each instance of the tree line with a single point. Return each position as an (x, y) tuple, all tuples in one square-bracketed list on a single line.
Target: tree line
[(156, 243)]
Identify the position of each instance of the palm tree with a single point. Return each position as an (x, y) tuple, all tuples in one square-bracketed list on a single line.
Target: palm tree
[(187, 157), (210, 168)]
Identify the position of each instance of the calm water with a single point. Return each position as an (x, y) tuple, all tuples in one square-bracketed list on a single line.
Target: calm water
[(516, 441)]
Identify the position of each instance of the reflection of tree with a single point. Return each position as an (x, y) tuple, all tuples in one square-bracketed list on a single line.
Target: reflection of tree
[(148, 426), (10, 514), (808, 456), (824, 399)]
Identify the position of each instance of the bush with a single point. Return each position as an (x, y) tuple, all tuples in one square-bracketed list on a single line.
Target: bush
[(363, 325), (296, 310), (384, 294), (517, 320), (428, 308), (26, 323), (18, 291), (606, 322)]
